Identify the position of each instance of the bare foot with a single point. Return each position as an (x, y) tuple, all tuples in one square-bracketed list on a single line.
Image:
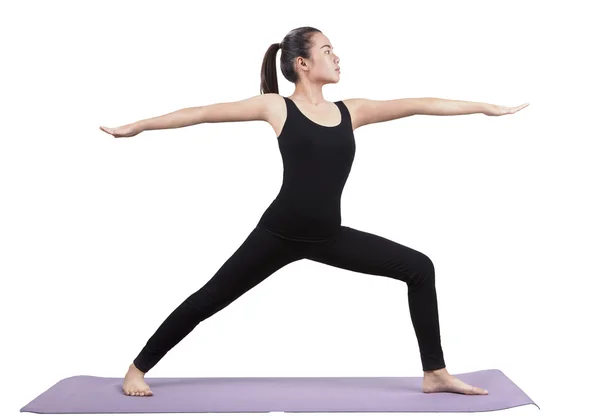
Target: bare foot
[(134, 384), (441, 381)]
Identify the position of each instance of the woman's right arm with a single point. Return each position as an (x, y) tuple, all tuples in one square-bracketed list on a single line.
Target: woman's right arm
[(180, 118), (253, 108), (249, 109)]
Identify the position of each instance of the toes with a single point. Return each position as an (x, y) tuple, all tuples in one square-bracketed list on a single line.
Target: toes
[(138, 393), (478, 390)]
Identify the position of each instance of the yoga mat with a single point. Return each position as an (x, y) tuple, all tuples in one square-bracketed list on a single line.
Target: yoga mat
[(89, 394)]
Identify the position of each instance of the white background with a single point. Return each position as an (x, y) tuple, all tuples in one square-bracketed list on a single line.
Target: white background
[(101, 238)]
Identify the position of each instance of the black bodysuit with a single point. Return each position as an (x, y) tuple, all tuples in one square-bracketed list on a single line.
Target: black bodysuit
[(317, 160), (304, 222)]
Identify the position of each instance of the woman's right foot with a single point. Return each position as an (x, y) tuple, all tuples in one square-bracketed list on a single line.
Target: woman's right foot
[(134, 384), (438, 381)]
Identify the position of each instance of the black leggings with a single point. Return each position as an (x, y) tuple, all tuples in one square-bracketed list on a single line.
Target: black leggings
[(263, 253)]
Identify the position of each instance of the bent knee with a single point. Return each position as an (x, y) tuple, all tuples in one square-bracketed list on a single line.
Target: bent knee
[(423, 270)]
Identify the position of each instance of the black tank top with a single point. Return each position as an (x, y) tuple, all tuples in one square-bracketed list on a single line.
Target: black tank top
[(317, 160)]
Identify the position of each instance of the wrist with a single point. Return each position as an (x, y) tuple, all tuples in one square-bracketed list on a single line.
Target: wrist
[(485, 108), (140, 126)]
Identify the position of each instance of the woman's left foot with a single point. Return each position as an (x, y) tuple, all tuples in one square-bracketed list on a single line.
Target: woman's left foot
[(441, 381)]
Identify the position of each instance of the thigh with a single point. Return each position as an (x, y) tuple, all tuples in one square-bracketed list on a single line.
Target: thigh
[(363, 252), (260, 255)]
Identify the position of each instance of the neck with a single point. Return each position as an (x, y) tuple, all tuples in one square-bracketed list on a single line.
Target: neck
[(309, 93)]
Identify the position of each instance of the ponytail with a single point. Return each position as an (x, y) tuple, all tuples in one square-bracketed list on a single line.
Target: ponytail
[(268, 73)]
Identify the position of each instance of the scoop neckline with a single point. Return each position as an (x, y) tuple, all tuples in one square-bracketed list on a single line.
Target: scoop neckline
[(314, 122)]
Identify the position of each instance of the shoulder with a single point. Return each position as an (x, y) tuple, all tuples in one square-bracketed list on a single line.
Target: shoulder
[(274, 106), (275, 111), (272, 98), (354, 106), (354, 103)]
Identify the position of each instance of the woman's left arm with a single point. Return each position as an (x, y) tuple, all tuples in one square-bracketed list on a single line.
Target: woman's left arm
[(444, 107), (365, 111)]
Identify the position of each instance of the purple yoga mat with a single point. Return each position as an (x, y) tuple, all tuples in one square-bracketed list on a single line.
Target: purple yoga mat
[(89, 394)]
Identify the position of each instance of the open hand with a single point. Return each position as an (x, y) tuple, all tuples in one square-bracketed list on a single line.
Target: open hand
[(498, 110), (128, 130)]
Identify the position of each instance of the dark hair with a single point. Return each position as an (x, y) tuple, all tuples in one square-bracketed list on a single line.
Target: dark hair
[(296, 43)]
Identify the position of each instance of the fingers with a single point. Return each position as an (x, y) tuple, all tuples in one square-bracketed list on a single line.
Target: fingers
[(519, 108), (107, 130)]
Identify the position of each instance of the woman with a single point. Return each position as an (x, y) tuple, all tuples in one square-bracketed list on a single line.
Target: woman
[(303, 222)]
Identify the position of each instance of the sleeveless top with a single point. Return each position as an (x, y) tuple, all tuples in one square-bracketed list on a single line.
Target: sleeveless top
[(317, 160)]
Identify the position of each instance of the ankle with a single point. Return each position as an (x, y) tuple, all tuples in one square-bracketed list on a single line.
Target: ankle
[(438, 372), (136, 370)]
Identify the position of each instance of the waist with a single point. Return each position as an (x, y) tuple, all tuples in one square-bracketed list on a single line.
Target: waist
[(308, 221)]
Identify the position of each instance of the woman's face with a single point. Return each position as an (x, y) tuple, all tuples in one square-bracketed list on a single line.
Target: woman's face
[(324, 63)]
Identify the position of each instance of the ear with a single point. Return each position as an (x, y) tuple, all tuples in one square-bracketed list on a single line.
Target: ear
[(301, 63)]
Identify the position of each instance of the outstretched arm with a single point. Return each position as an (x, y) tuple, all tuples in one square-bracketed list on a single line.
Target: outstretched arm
[(444, 107), (365, 111), (253, 108)]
